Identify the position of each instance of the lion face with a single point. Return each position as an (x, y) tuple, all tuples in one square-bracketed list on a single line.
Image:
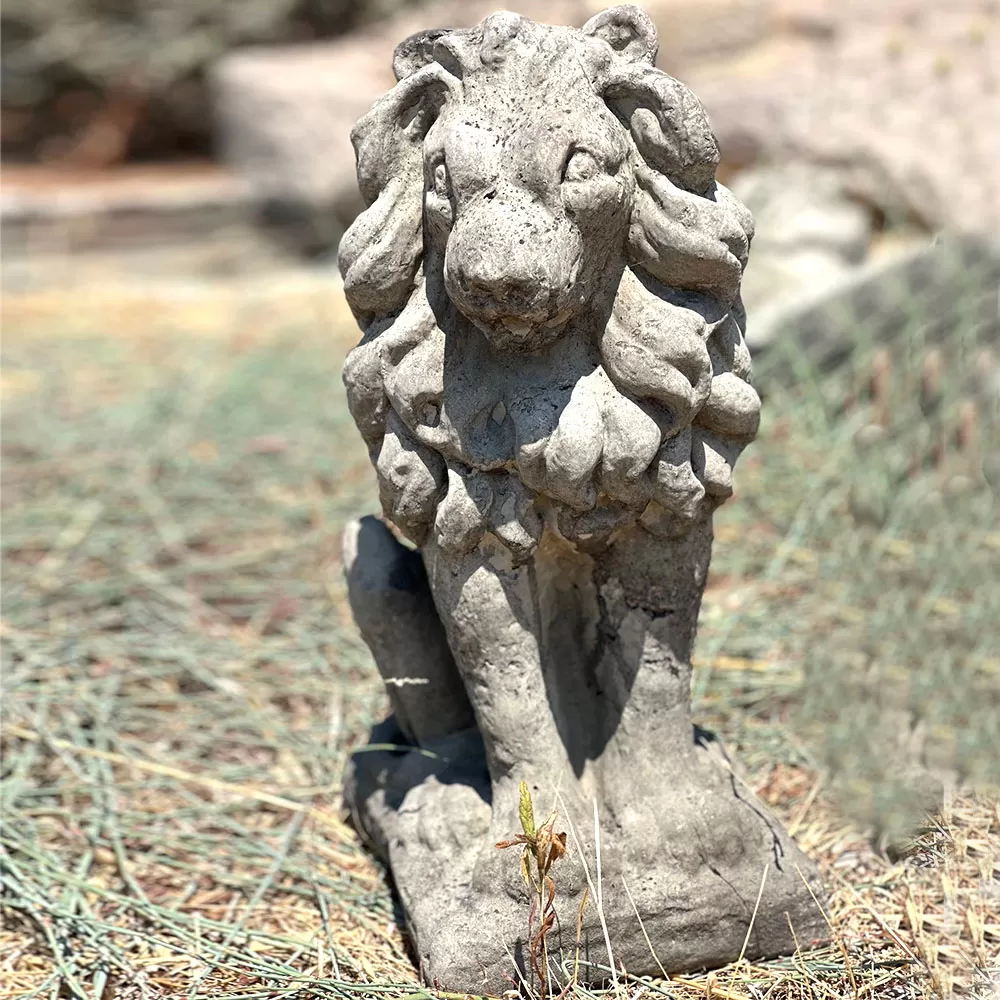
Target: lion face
[(548, 279), (530, 210)]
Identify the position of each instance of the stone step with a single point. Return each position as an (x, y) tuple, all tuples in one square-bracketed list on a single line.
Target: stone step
[(44, 209)]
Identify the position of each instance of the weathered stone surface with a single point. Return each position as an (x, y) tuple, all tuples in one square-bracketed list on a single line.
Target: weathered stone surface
[(554, 386), (392, 604)]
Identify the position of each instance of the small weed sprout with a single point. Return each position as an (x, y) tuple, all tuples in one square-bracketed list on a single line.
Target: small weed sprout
[(541, 848)]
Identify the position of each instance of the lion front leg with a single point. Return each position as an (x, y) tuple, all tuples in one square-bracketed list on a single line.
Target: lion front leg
[(525, 637)]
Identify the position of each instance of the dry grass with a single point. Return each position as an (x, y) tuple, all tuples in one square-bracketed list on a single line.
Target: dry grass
[(182, 683)]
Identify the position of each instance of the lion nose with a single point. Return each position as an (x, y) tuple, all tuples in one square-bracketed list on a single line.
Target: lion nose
[(502, 288), (503, 258)]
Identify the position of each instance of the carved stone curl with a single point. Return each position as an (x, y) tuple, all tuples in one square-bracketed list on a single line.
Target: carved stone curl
[(554, 386)]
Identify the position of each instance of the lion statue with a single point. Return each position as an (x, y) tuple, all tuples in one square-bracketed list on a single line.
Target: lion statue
[(553, 385), (548, 280)]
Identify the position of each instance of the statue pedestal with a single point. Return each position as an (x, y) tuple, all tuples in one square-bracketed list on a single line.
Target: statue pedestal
[(581, 684)]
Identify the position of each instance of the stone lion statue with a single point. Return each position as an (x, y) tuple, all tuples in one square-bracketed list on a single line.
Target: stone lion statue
[(553, 385), (548, 279)]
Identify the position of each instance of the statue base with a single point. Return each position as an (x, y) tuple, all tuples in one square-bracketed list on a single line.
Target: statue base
[(685, 846)]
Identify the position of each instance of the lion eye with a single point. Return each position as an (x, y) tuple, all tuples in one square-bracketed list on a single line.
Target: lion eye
[(581, 166), (437, 199), (440, 180)]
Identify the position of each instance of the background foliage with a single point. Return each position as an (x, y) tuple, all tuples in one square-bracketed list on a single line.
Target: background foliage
[(96, 81)]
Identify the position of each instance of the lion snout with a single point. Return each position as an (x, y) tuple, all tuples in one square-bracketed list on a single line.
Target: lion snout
[(510, 273)]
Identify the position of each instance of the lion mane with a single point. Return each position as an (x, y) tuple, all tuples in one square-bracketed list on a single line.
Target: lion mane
[(638, 409)]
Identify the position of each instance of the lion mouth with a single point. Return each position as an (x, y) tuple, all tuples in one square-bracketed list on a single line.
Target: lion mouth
[(517, 328), (518, 333)]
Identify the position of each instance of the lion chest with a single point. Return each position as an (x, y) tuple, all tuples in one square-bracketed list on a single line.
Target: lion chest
[(482, 407)]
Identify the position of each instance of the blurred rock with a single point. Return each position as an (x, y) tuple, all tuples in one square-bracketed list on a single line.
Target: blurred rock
[(902, 96), (693, 32), (284, 117), (136, 224), (899, 97), (929, 290), (809, 231), (46, 210), (799, 205)]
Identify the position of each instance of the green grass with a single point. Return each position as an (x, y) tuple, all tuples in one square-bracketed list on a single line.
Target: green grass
[(864, 547)]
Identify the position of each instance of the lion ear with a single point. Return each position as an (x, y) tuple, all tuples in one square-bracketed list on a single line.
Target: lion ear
[(628, 30), (381, 252), (668, 124), (387, 140), (452, 48), (417, 51)]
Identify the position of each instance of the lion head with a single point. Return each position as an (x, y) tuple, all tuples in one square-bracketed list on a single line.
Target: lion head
[(547, 277)]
